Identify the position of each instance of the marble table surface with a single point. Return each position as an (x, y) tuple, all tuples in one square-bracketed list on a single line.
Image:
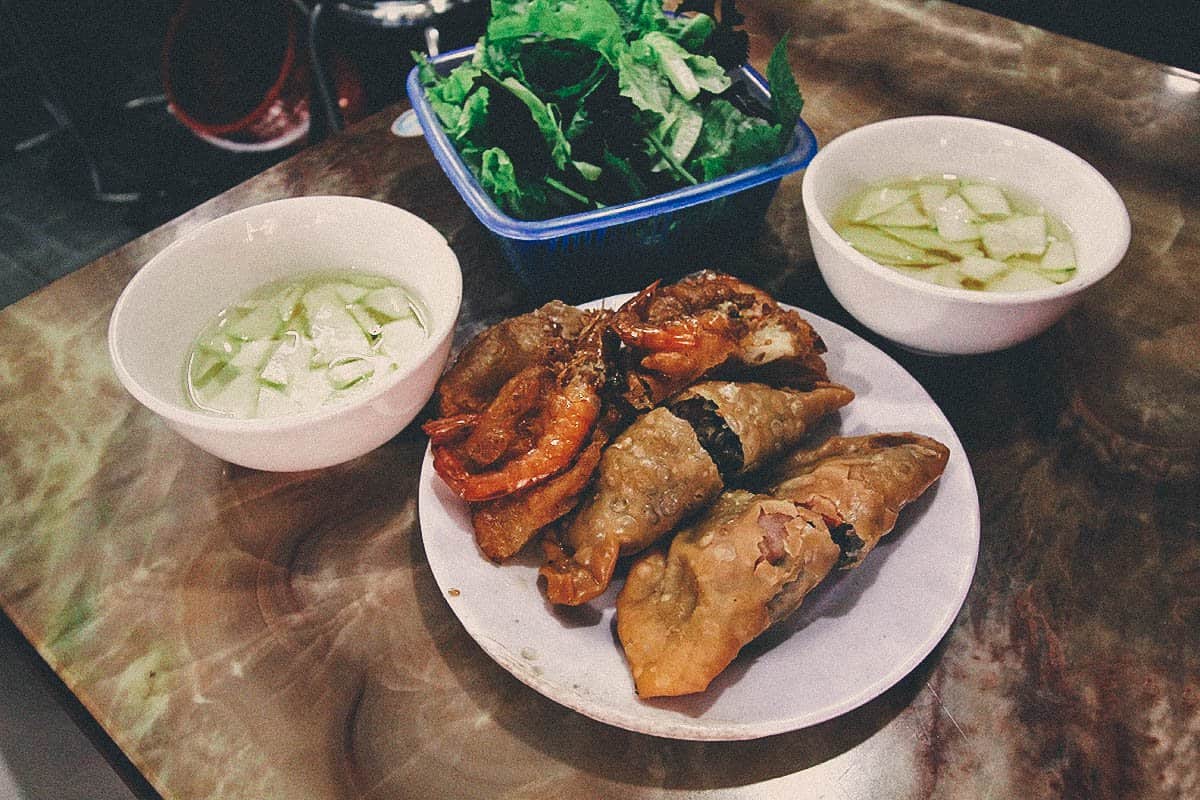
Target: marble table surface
[(241, 634)]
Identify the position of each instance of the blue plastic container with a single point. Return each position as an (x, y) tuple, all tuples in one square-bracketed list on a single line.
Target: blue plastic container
[(622, 247)]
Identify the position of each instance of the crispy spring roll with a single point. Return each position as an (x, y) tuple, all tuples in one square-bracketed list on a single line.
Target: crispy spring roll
[(860, 483), (668, 465), (744, 426), (684, 614)]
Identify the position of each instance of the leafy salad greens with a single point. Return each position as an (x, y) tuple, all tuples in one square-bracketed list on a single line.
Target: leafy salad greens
[(573, 105)]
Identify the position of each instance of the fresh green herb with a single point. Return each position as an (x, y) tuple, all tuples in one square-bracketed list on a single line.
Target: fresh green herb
[(572, 105), (786, 101)]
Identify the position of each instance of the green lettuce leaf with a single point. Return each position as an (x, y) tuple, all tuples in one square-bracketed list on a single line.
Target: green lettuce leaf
[(499, 177), (546, 120), (594, 23), (691, 32), (626, 183), (732, 140), (688, 73), (588, 171), (448, 94), (472, 117), (640, 16), (680, 130), (642, 80), (573, 104)]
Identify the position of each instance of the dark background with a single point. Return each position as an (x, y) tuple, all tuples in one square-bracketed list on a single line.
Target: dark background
[(1167, 31), (89, 158)]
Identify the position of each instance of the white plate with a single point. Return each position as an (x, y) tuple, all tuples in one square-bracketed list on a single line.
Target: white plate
[(854, 637)]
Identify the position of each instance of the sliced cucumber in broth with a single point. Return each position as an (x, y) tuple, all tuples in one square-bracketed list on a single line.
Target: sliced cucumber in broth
[(960, 232), (297, 345)]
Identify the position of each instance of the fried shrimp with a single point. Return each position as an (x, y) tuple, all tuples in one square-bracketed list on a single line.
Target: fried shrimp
[(569, 414), (504, 525), (497, 428), (712, 324), (532, 407), (540, 337), (533, 429)]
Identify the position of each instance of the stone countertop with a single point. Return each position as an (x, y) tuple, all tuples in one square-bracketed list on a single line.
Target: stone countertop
[(245, 635)]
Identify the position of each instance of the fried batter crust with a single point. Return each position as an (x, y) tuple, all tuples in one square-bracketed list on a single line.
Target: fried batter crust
[(682, 616), (767, 421), (498, 353), (649, 479), (862, 480)]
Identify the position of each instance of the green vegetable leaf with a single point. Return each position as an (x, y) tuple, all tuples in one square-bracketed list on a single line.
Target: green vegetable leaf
[(545, 119), (580, 126), (471, 117), (687, 72), (588, 171), (501, 58), (499, 177), (640, 16), (786, 101), (709, 74), (642, 80), (727, 44), (562, 70), (573, 104), (731, 140), (631, 185), (657, 145), (691, 32), (425, 71), (681, 129), (448, 94), (455, 87), (594, 23), (570, 194)]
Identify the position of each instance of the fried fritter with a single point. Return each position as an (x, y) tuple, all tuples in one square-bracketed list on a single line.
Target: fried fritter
[(685, 613), (671, 463)]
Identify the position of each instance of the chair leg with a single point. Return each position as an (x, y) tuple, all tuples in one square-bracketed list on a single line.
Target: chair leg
[(64, 121)]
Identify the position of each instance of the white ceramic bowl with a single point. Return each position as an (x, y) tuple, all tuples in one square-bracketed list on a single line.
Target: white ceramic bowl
[(942, 320), (161, 312)]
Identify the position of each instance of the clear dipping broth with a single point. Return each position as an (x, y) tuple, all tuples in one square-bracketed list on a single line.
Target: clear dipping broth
[(303, 343)]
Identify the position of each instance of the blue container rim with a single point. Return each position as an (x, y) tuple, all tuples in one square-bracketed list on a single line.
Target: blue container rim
[(803, 150)]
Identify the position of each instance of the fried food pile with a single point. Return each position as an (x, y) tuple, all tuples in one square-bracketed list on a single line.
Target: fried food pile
[(666, 430)]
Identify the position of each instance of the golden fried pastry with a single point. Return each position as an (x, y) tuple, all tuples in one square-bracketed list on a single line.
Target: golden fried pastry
[(522, 404), (744, 426), (860, 483), (649, 479), (683, 615), (668, 465)]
